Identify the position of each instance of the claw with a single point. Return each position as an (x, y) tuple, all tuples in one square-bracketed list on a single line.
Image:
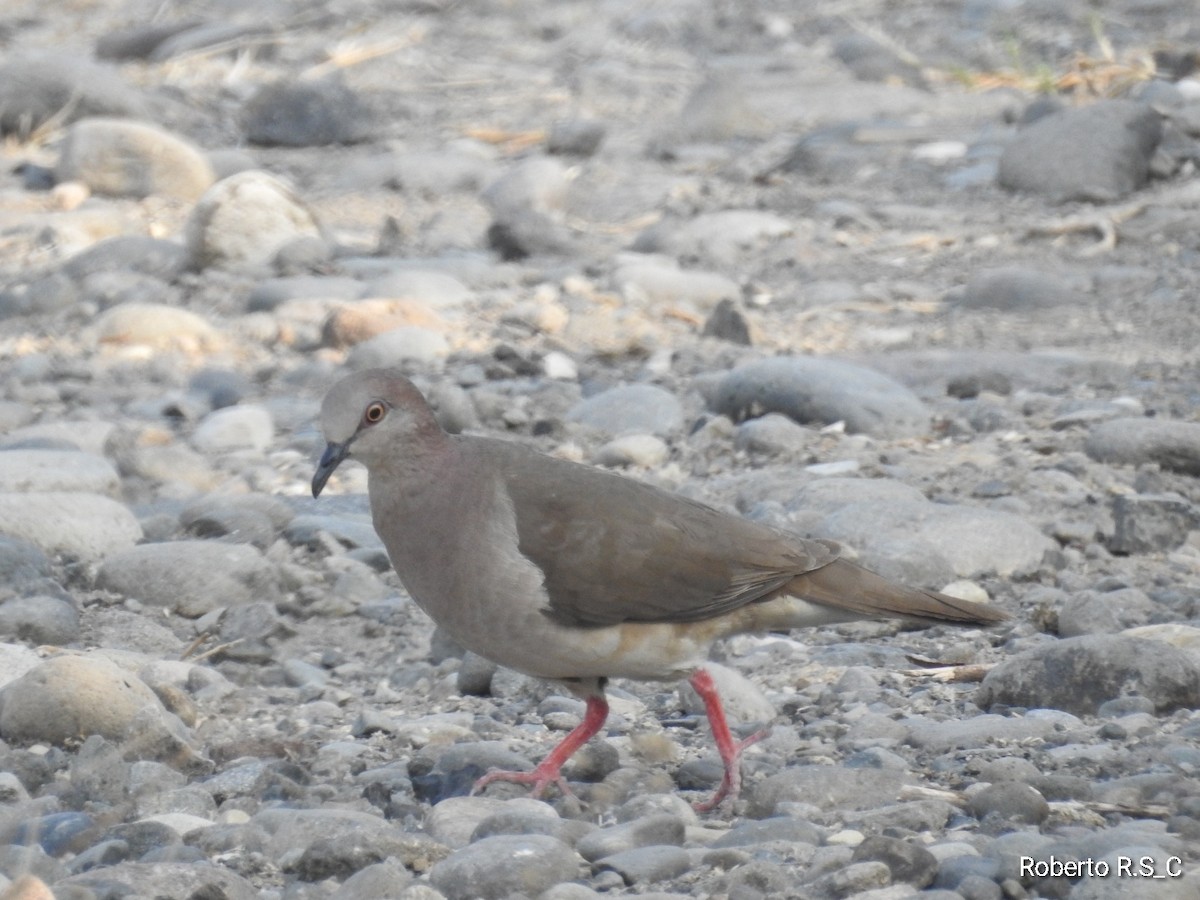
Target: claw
[(730, 750)]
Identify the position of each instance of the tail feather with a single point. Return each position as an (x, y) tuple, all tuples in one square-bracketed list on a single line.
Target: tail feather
[(843, 585)]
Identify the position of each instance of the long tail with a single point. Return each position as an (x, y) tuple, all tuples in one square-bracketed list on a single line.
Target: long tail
[(844, 585)]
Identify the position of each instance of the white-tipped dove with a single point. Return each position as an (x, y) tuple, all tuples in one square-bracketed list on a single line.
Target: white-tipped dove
[(571, 573)]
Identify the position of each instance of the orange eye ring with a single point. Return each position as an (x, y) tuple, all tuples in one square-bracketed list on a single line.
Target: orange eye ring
[(374, 413)]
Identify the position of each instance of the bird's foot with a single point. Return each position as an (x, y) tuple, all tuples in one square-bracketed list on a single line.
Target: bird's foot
[(541, 778), (730, 750), (731, 782), (549, 770)]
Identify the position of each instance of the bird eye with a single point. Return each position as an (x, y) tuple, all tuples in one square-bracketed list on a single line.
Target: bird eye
[(374, 413)]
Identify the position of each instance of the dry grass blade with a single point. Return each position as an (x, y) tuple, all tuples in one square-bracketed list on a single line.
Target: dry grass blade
[(923, 792), (357, 52), (509, 141), (1104, 223), (220, 648), (952, 674)]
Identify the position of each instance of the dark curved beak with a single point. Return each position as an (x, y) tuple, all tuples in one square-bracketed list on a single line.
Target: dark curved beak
[(330, 460)]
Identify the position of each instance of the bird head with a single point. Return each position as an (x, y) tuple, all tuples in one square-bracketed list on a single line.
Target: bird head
[(370, 416)]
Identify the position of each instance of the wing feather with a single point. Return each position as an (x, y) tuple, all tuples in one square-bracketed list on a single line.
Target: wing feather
[(616, 550)]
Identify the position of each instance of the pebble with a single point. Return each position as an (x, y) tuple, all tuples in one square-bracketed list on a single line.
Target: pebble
[(900, 533), (855, 878), (350, 325), (453, 820), (162, 879), (576, 137), (122, 158), (559, 366), (907, 861), (497, 867), (828, 787), (647, 864), (822, 391), (776, 828), (307, 113), (243, 221), (153, 324), (631, 408), (1172, 444), (234, 428), (375, 882), (68, 696), (1048, 157), (1010, 802), (56, 470), (27, 887), (1078, 674), (1092, 612), (409, 344), (40, 620), (78, 525), (637, 450), (190, 578), (772, 434), (251, 519), (650, 830), (728, 322)]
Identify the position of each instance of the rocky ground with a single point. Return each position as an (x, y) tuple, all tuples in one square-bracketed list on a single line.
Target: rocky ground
[(917, 277)]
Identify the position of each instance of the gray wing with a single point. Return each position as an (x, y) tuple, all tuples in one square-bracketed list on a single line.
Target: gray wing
[(616, 550)]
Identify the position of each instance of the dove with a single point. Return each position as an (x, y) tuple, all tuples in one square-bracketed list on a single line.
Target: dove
[(578, 575)]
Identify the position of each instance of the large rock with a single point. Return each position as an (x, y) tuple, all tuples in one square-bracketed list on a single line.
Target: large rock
[(153, 324), (1079, 674), (246, 427), (1172, 444), (82, 526), (133, 159), (69, 697), (159, 879), (828, 787), (628, 409), (902, 534), (500, 866), (191, 577), (1099, 152), (822, 391), (56, 470), (293, 113), (244, 220)]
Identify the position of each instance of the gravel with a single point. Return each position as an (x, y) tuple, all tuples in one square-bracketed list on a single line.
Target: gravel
[(886, 292)]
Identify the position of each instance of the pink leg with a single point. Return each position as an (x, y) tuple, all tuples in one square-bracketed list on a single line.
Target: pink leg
[(549, 770), (730, 750)]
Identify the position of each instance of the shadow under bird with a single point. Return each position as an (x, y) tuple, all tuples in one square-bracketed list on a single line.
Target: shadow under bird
[(571, 573)]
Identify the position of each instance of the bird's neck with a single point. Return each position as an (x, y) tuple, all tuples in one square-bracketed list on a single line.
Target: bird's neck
[(418, 462)]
